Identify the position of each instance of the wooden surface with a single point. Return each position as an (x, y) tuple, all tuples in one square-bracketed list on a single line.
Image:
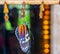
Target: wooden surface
[(51, 1), (30, 1)]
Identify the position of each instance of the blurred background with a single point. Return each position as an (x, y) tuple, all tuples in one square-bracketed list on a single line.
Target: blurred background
[(8, 41), (46, 30)]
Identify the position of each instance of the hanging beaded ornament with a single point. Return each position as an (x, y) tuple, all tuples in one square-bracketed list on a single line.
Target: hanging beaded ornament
[(6, 17), (22, 33)]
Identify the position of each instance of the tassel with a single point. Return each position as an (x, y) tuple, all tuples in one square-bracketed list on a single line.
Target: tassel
[(6, 17), (8, 25)]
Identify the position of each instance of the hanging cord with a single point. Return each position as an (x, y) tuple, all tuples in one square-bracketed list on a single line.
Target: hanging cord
[(41, 10), (23, 10)]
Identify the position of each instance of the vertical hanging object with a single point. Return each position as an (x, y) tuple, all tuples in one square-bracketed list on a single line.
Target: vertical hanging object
[(41, 10), (22, 31), (6, 17), (5, 8), (23, 10), (24, 18)]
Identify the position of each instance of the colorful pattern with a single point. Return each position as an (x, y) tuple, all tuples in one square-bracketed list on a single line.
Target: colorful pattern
[(22, 31), (26, 19), (23, 38)]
